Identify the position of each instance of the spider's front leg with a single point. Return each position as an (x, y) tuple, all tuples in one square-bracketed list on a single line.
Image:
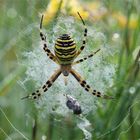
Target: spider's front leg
[(45, 87), (87, 87), (85, 36), (45, 48)]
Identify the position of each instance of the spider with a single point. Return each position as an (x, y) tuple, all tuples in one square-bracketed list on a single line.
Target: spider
[(65, 52)]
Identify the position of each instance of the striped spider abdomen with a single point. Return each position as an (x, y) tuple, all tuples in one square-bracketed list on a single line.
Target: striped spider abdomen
[(65, 49)]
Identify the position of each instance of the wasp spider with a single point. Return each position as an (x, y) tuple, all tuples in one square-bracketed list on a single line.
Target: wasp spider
[(65, 52)]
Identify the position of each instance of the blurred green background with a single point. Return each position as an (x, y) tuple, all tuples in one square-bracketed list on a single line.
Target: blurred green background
[(118, 20)]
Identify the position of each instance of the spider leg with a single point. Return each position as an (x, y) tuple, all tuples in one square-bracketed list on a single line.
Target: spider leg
[(87, 87), (45, 87), (85, 58), (85, 35), (45, 48)]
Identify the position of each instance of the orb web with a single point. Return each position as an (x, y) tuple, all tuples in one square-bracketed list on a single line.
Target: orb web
[(97, 71)]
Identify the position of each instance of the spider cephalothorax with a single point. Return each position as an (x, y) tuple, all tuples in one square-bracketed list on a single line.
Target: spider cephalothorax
[(65, 53)]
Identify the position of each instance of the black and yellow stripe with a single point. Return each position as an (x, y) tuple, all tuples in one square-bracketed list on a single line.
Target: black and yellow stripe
[(65, 49)]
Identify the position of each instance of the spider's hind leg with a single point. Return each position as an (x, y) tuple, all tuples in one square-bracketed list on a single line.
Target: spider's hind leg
[(83, 83), (45, 87)]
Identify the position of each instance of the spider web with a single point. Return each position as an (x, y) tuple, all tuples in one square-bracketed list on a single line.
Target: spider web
[(97, 70), (83, 123), (122, 122), (39, 68)]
